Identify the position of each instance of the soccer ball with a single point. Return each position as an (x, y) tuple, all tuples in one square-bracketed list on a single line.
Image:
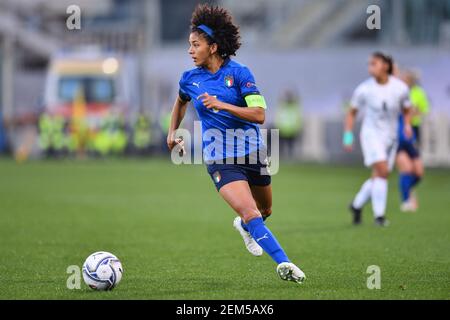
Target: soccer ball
[(102, 271)]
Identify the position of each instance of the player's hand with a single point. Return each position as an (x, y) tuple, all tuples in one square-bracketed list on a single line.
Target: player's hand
[(178, 142), (347, 141), (171, 143), (408, 131), (211, 102)]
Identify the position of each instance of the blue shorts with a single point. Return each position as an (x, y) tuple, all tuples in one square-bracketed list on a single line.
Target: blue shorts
[(222, 174), (410, 148)]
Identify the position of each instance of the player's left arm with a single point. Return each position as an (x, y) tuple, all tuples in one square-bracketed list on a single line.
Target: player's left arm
[(255, 111)]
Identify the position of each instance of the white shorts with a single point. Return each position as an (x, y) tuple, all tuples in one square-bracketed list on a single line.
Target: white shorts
[(377, 148)]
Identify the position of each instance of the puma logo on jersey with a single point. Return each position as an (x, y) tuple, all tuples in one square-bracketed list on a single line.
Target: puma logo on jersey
[(197, 84)]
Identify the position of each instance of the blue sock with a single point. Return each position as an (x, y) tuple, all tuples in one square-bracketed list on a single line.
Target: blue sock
[(405, 182), (244, 226), (266, 240)]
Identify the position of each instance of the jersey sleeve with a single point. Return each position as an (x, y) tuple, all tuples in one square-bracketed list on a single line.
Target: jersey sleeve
[(246, 83), (358, 97), (182, 91), (249, 90)]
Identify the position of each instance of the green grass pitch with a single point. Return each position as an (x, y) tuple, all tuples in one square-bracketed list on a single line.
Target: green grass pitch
[(175, 238)]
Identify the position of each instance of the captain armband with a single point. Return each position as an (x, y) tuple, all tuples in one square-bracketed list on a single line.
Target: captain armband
[(255, 100)]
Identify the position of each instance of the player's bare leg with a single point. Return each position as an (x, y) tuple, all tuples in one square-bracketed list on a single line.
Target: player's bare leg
[(227, 192), (263, 199)]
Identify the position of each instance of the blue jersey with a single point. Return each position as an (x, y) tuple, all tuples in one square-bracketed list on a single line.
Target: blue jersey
[(401, 132), (230, 84)]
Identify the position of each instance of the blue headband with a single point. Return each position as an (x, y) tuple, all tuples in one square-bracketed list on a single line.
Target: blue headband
[(206, 30)]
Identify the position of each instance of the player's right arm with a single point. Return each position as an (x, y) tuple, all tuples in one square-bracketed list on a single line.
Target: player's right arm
[(347, 139), (356, 102), (178, 112)]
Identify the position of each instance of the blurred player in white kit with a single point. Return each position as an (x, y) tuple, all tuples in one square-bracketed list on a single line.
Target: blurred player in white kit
[(383, 98)]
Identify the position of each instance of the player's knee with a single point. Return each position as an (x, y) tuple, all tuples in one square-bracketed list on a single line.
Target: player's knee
[(381, 172), (247, 214), (418, 169), (384, 174), (404, 166), (419, 173)]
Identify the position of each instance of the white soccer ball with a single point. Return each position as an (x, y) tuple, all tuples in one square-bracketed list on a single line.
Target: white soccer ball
[(102, 271)]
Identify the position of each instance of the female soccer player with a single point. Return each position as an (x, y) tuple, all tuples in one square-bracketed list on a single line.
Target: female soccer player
[(383, 98), (226, 98), (409, 162), (410, 167)]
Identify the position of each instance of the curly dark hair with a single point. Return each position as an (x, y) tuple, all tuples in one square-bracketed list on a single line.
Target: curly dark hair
[(225, 32)]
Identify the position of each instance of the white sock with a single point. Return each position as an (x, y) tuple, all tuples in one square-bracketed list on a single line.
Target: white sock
[(379, 196), (363, 195)]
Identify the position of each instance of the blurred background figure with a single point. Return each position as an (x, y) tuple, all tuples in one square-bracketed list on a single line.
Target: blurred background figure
[(288, 119), (418, 98), (142, 134), (111, 138), (409, 161), (164, 124), (52, 136), (78, 135)]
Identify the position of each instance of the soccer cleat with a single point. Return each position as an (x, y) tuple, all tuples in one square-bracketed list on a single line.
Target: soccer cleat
[(356, 213), (381, 222), (408, 206), (250, 243), (290, 272)]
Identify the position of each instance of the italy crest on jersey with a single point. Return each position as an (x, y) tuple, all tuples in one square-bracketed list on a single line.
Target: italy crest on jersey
[(229, 81)]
